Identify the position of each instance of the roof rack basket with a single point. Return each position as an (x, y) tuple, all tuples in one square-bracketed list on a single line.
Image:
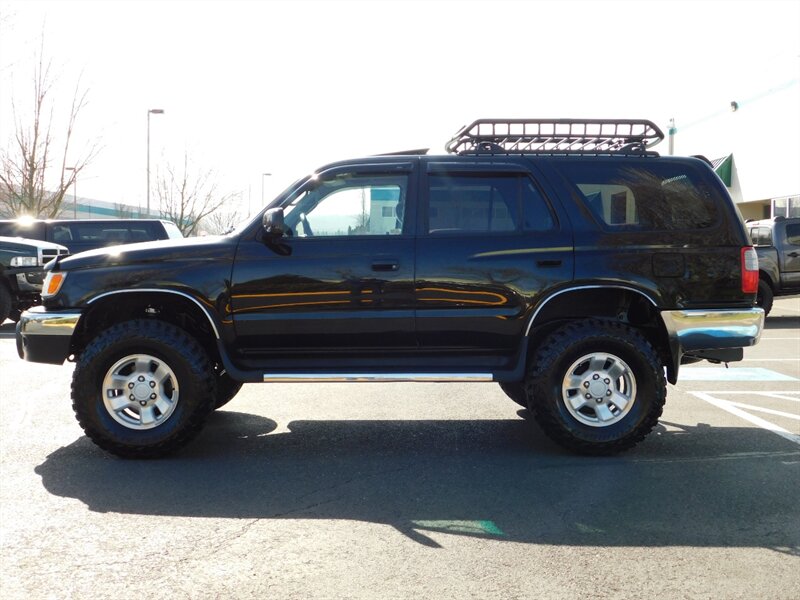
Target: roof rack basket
[(556, 136)]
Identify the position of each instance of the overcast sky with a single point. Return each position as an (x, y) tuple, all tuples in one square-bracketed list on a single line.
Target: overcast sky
[(283, 87)]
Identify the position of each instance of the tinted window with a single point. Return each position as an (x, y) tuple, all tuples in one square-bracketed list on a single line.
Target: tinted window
[(793, 234), (21, 229), (644, 195), (485, 203), (102, 233), (348, 205)]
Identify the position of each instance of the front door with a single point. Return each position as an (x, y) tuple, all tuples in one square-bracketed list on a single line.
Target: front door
[(340, 283)]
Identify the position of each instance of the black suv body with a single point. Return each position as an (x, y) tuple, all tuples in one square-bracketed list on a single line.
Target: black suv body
[(79, 235), (579, 279)]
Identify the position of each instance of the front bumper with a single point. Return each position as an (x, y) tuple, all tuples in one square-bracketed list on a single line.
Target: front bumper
[(45, 336)]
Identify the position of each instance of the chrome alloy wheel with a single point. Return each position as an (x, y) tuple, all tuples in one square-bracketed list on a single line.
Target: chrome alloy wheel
[(140, 391), (599, 389)]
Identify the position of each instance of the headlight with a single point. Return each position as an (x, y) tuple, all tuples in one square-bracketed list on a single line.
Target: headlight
[(52, 283), (24, 261)]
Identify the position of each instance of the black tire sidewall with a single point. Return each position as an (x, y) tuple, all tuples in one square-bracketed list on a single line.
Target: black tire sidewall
[(196, 389), (5, 301), (550, 407), (765, 296), (227, 388)]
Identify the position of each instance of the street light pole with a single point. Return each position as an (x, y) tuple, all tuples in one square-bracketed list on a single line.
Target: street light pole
[(74, 191), (262, 187), (152, 111)]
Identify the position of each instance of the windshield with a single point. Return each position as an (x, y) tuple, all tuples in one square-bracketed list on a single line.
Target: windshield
[(292, 189)]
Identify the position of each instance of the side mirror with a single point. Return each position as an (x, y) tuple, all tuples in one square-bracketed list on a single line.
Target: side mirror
[(273, 223)]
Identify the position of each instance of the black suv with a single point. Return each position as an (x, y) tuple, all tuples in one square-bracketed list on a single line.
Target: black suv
[(79, 235), (560, 258)]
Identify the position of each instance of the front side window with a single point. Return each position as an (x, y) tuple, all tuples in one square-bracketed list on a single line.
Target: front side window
[(793, 234), (349, 205)]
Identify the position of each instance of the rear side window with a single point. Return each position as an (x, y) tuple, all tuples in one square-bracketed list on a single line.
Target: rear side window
[(644, 195), (486, 203), (104, 233), (34, 230)]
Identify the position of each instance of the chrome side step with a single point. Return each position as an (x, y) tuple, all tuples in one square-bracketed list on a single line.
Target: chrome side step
[(376, 377)]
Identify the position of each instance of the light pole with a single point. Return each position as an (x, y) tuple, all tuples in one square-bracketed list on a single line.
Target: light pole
[(262, 189), (74, 191), (152, 111)]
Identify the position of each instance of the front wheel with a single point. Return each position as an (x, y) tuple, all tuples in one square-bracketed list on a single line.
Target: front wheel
[(143, 388), (516, 391), (227, 388), (599, 386)]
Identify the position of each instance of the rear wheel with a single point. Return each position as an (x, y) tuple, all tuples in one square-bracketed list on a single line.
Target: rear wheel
[(765, 297), (142, 389), (599, 387)]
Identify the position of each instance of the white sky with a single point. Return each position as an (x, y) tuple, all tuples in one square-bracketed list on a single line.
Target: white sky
[(284, 87)]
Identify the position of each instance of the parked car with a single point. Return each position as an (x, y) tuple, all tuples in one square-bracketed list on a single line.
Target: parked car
[(777, 242), (21, 273), (563, 259), (87, 234)]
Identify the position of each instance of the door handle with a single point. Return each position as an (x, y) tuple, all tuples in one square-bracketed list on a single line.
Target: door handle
[(794, 254), (548, 263), (385, 266)]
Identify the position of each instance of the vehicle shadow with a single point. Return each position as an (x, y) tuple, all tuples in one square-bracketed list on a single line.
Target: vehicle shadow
[(684, 486)]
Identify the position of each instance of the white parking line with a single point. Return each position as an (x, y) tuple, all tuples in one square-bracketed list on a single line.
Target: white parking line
[(766, 410), (771, 360), (729, 407)]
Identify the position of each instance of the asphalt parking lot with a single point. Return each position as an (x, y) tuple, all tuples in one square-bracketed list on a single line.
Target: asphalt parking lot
[(410, 491)]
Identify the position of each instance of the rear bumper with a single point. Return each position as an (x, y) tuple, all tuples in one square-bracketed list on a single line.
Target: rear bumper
[(715, 335), (714, 329), (45, 336)]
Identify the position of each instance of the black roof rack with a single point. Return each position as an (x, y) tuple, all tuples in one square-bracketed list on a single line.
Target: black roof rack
[(556, 136)]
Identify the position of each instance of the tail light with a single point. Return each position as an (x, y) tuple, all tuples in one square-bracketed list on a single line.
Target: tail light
[(749, 270)]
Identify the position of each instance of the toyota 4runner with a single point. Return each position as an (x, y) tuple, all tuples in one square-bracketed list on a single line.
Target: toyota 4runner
[(563, 259)]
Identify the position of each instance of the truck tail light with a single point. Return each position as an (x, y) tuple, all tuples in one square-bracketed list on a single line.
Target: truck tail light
[(749, 270)]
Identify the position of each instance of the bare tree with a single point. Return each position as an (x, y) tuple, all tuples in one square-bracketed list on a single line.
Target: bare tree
[(221, 222), (188, 198), (34, 173)]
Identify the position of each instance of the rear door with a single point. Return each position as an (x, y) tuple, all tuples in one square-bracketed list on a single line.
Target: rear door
[(489, 243)]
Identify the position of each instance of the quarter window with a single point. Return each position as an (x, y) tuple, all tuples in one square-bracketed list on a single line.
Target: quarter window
[(644, 196)]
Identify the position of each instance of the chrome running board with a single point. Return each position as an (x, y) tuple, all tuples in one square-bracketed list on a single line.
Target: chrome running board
[(376, 377)]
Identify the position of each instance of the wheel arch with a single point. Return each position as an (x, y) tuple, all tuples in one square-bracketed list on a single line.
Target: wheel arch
[(178, 308), (610, 301)]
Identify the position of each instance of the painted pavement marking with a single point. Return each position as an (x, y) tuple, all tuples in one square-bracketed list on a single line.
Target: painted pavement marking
[(735, 408), (735, 374)]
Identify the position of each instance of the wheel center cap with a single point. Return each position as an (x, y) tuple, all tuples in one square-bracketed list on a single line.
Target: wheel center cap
[(142, 391), (598, 389)]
